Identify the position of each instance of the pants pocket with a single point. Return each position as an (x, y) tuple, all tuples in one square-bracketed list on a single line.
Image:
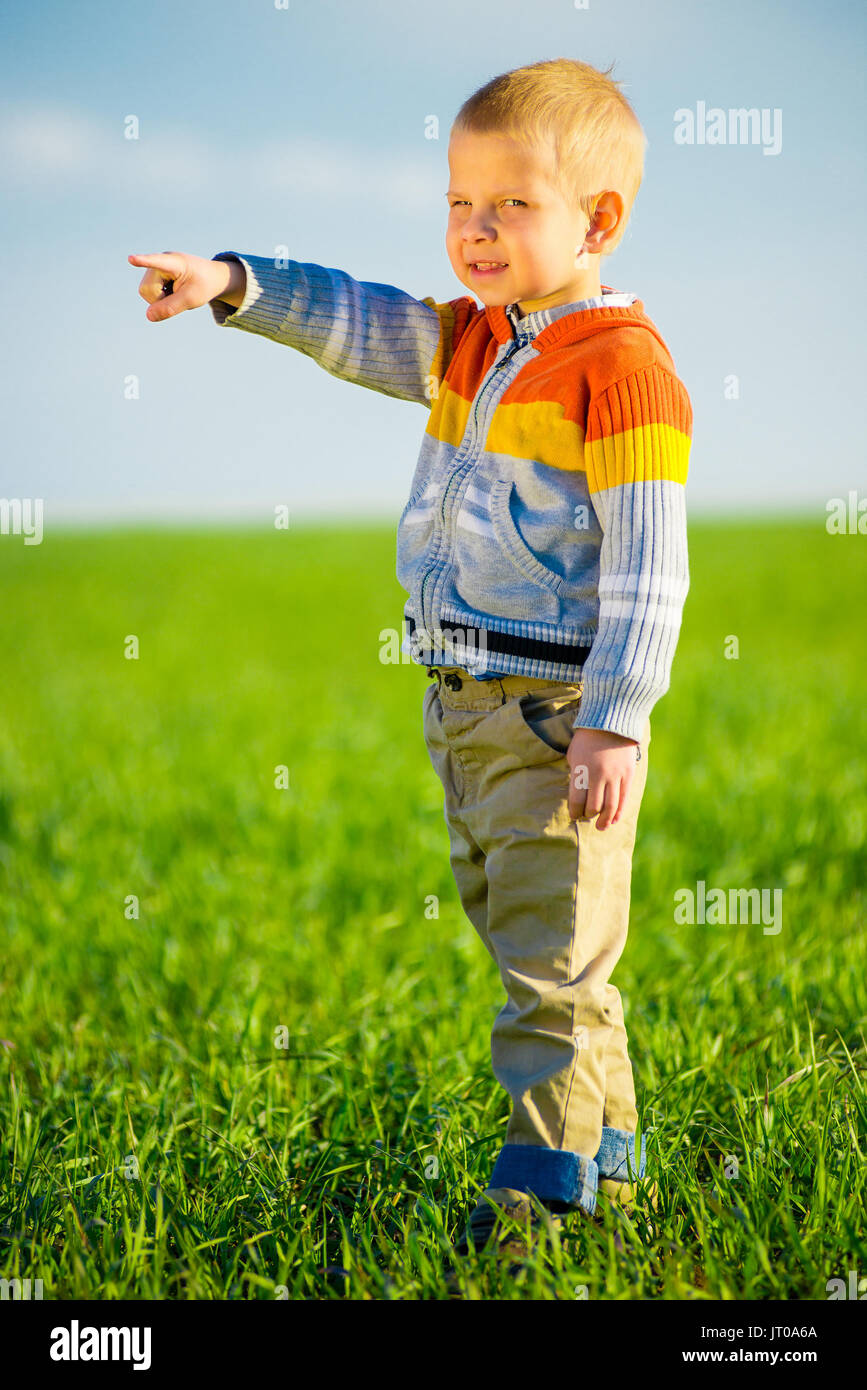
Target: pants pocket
[(549, 719)]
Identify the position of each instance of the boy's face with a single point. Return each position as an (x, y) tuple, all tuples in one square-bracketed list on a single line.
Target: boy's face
[(504, 207)]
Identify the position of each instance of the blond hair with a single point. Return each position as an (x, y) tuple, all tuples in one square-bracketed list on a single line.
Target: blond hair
[(597, 139)]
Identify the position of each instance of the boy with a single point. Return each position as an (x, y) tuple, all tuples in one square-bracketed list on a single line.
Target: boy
[(543, 552)]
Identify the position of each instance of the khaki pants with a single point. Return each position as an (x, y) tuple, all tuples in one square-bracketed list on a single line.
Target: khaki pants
[(549, 898)]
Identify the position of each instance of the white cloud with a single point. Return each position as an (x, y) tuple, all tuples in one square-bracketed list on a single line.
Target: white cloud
[(46, 143), (45, 150)]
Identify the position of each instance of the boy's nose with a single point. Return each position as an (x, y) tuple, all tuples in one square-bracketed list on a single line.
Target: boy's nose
[(477, 227), (478, 250)]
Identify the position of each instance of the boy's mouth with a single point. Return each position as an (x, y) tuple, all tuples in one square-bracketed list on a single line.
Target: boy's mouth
[(487, 267)]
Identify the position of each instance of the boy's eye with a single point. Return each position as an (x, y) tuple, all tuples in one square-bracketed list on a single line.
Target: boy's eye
[(459, 202)]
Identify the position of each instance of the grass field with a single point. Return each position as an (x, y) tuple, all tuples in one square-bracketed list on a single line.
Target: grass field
[(162, 1138)]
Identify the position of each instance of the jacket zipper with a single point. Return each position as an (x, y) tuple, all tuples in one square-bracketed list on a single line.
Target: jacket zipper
[(521, 341)]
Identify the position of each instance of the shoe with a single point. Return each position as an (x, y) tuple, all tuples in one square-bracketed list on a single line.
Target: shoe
[(488, 1223), (491, 1227), (626, 1196)]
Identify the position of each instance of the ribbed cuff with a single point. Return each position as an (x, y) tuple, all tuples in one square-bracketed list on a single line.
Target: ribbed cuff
[(617, 706), (262, 275), (555, 1175), (616, 1156)]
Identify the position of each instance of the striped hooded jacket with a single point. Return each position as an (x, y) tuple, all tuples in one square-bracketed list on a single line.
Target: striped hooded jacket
[(545, 530)]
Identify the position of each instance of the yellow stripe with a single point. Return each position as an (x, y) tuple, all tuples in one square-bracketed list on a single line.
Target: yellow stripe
[(448, 416), (647, 454), (443, 354), (537, 430)]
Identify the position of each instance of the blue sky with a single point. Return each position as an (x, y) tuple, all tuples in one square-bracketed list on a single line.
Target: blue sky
[(305, 126)]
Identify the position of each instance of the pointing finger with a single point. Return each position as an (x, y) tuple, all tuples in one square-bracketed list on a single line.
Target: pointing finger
[(168, 261)]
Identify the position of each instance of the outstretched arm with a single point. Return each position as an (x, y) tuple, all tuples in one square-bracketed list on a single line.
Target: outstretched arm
[(373, 334)]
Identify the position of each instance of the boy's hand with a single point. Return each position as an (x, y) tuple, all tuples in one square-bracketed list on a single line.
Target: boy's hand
[(175, 281), (609, 760)]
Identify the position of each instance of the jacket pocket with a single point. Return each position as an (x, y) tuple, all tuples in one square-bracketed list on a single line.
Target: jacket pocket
[(414, 530), (426, 489), (513, 543)]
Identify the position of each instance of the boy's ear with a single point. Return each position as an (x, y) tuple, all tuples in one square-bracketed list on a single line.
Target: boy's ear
[(607, 212)]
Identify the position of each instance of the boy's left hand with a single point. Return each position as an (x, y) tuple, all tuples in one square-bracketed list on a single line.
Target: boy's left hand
[(609, 760)]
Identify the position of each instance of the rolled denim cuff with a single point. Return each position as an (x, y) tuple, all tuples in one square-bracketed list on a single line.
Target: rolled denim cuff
[(616, 1156), (555, 1175)]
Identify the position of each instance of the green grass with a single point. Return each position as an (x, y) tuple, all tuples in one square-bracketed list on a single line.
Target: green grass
[(155, 1141)]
